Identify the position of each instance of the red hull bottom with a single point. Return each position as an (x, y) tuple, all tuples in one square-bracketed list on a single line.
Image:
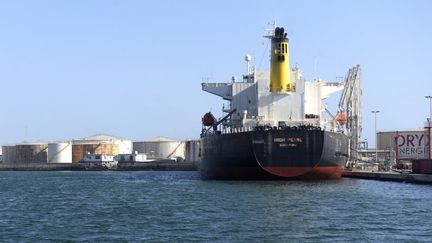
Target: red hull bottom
[(276, 173), (315, 173)]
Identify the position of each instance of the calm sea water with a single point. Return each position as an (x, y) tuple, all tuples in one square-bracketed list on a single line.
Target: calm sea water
[(178, 206)]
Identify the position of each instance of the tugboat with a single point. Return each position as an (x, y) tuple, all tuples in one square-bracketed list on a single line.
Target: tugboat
[(275, 127)]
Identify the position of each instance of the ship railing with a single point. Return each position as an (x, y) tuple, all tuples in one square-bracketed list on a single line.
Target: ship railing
[(237, 130), (232, 130), (215, 85), (334, 84)]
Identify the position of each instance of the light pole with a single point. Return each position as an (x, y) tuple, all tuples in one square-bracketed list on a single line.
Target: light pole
[(376, 135), (429, 125), (430, 104)]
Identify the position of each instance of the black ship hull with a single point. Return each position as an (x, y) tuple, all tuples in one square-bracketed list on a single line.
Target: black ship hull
[(274, 154)]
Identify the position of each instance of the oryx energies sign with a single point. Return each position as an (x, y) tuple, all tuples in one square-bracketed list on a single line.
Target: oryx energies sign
[(412, 145)]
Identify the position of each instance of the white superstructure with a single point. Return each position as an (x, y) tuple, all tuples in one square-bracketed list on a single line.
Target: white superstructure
[(256, 106)]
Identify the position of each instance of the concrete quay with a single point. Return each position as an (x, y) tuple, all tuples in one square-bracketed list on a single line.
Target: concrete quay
[(390, 176), (158, 165)]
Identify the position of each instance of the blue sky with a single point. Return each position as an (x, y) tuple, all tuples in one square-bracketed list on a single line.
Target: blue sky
[(69, 69)]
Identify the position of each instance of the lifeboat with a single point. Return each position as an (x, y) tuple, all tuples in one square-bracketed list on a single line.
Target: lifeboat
[(341, 118)]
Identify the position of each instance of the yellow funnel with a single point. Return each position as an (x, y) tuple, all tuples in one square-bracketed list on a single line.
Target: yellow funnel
[(280, 80)]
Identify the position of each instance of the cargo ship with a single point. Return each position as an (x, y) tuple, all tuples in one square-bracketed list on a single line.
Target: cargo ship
[(276, 125)]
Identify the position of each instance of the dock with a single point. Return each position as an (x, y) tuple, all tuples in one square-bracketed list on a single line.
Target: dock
[(390, 176), (157, 165)]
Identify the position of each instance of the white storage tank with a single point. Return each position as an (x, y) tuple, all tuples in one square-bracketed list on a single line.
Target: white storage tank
[(31, 153), (9, 154), (60, 152), (81, 148), (161, 148), (124, 145), (192, 151)]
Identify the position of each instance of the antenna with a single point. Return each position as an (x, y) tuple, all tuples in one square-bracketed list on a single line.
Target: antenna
[(270, 31), (263, 55), (248, 59), (315, 67)]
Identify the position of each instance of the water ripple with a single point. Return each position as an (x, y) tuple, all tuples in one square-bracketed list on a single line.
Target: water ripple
[(178, 206)]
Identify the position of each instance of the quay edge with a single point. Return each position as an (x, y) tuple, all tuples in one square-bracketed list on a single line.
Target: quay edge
[(389, 176)]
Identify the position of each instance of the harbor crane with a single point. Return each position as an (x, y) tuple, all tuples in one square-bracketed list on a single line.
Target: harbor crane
[(349, 112)]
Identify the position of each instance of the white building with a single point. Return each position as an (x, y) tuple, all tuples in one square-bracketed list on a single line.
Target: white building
[(99, 158), (135, 157)]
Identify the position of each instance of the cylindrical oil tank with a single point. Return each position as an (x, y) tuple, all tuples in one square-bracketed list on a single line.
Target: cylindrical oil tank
[(60, 152), (124, 145), (9, 154), (161, 148), (31, 153), (79, 150), (192, 151)]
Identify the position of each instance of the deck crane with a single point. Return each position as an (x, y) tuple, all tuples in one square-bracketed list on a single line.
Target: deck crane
[(349, 112)]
